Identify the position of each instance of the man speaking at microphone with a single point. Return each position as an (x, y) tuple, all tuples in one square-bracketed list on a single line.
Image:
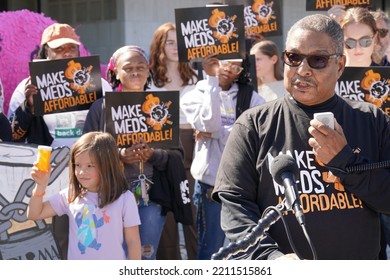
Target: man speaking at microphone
[(340, 208)]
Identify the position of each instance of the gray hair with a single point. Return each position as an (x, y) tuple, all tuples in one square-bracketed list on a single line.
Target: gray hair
[(323, 24), (379, 14)]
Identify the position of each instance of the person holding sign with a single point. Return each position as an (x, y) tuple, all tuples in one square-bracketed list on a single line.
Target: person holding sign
[(59, 41), (360, 36), (360, 23), (128, 71), (340, 204), (268, 70), (170, 74), (212, 108), (102, 212)]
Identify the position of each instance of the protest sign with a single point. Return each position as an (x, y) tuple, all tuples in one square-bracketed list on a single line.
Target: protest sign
[(152, 116), (369, 84), (66, 85), (324, 5), (261, 17), (210, 30)]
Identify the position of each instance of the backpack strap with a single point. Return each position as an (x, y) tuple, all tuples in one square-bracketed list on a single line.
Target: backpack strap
[(244, 97)]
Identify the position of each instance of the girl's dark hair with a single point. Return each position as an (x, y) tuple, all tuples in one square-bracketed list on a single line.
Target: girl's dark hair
[(102, 149)]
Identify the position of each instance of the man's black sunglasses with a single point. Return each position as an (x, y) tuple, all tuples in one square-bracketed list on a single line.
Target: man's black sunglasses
[(314, 61)]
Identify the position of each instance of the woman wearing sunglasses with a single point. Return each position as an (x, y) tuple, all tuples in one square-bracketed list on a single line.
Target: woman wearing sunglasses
[(382, 21), (360, 36), (364, 36)]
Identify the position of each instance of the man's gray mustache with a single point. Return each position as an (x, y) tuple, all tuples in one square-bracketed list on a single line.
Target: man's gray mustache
[(305, 80)]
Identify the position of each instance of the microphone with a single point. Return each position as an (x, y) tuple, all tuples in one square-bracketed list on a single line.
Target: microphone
[(284, 170)]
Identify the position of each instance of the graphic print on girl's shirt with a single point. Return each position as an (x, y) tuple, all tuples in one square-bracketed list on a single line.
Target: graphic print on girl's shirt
[(88, 221)]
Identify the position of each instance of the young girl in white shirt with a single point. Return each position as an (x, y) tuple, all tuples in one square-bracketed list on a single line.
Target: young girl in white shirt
[(103, 214)]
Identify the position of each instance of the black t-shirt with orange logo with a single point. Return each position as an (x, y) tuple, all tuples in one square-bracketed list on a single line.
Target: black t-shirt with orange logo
[(340, 208)]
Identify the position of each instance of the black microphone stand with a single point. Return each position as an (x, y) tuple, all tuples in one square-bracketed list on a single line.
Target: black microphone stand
[(252, 238)]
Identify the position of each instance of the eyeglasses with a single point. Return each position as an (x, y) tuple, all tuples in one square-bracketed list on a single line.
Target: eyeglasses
[(314, 61), (364, 42), (383, 32), (234, 68)]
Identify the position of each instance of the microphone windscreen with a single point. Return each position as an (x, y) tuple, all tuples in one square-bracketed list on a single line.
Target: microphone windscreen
[(282, 164)]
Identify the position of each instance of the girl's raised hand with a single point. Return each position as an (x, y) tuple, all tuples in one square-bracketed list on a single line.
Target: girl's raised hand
[(40, 177)]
